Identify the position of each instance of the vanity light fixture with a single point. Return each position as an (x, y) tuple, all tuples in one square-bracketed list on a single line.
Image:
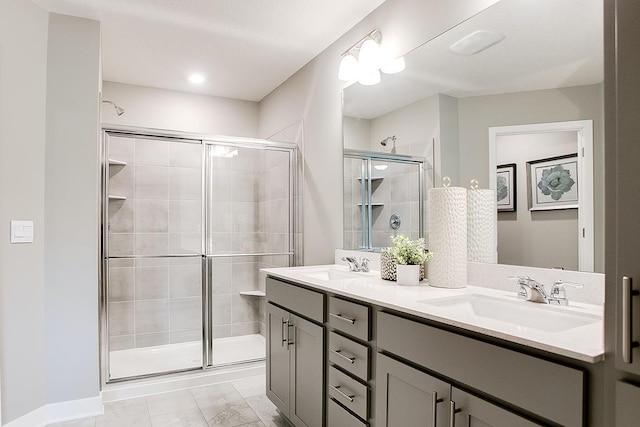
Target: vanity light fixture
[(364, 60), (196, 78), (476, 42)]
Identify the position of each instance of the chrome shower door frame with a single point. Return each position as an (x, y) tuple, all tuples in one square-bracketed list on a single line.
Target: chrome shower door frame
[(205, 141)]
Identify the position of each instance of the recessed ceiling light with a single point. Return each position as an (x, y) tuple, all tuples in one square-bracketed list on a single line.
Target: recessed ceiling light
[(476, 42), (196, 78)]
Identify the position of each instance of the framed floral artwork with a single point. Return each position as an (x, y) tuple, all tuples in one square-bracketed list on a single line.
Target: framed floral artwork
[(553, 183), (506, 187)]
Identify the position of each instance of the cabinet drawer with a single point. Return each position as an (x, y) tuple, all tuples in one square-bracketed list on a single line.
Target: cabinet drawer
[(524, 381), (339, 417), (349, 392), (297, 299), (349, 355), (350, 317)]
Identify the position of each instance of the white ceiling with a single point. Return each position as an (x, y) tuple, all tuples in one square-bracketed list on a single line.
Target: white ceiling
[(548, 44), (245, 48)]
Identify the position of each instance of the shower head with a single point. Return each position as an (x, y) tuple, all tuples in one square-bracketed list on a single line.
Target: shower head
[(385, 141), (119, 110)]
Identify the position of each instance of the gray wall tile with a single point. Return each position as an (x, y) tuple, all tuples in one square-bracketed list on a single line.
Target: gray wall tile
[(185, 184), (244, 309), (152, 244), (152, 182), (221, 310), (121, 284), (120, 244), (186, 313), (121, 216), (185, 155), (185, 280), (152, 216), (151, 340), (188, 335), (121, 342), (152, 283), (121, 318), (152, 152), (151, 316)]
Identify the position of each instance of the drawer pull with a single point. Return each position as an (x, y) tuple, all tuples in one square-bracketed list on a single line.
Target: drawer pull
[(341, 317), (434, 407), (339, 353), (452, 413), (341, 393)]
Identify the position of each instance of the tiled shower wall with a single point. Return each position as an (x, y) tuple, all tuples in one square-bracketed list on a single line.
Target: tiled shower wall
[(154, 301), (158, 301)]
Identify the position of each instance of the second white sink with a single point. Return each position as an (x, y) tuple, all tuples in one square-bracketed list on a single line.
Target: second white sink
[(522, 313)]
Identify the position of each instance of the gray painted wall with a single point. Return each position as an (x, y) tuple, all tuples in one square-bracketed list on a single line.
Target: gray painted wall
[(477, 114), (179, 111), (313, 95), (23, 75), (71, 209), (544, 239)]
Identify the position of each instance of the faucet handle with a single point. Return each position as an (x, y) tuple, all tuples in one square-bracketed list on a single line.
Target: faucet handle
[(558, 289), (351, 261), (364, 264)]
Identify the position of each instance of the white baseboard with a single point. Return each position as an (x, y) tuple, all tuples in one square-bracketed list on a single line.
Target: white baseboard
[(61, 411)]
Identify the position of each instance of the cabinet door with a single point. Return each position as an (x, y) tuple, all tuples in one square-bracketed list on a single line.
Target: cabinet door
[(278, 365), (409, 397), (307, 373), (477, 412)]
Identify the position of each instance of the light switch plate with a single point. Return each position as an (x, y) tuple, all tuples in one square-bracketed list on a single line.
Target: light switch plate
[(21, 231)]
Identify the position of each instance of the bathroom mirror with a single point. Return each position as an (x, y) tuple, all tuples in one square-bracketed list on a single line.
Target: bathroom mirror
[(548, 68)]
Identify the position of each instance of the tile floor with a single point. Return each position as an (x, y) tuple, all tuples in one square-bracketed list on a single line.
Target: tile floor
[(236, 403)]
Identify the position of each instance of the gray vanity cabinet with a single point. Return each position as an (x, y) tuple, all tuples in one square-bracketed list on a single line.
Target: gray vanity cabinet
[(409, 397), (295, 354)]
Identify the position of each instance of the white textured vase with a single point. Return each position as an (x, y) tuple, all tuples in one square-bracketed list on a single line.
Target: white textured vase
[(407, 275)]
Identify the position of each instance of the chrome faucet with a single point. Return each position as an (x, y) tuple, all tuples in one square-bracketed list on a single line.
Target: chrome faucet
[(357, 264), (531, 290)]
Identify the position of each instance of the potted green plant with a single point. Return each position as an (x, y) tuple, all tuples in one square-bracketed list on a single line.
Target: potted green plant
[(409, 255)]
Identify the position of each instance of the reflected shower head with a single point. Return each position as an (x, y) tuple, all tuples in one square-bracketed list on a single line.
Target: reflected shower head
[(385, 141), (119, 110)]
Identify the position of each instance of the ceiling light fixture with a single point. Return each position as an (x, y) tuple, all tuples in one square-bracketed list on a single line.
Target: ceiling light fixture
[(476, 42), (196, 78), (364, 60)]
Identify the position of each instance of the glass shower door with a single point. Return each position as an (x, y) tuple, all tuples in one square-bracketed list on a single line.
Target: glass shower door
[(383, 197), (152, 255), (249, 226)]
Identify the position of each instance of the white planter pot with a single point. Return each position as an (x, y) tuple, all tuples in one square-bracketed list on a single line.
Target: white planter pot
[(408, 275)]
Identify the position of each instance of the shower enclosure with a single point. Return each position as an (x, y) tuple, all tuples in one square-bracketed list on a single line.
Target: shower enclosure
[(187, 224), (383, 197)]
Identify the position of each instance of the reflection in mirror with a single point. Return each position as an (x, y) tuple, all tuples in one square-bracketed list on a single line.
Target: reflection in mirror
[(383, 197), (548, 68)]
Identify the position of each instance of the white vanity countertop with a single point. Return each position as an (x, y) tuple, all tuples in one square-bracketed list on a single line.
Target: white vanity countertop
[(583, 343)]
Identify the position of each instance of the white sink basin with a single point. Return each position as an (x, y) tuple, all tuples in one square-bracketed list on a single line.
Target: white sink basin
[(521, 313), (333, 274)]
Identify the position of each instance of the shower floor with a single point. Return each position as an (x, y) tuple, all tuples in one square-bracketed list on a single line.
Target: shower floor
[(173, 357)]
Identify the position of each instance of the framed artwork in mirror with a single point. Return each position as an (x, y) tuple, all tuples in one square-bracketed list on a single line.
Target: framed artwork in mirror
[(506, 187), (553, 183)]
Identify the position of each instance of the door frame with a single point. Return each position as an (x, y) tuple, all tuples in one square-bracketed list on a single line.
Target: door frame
[(584, 148)]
